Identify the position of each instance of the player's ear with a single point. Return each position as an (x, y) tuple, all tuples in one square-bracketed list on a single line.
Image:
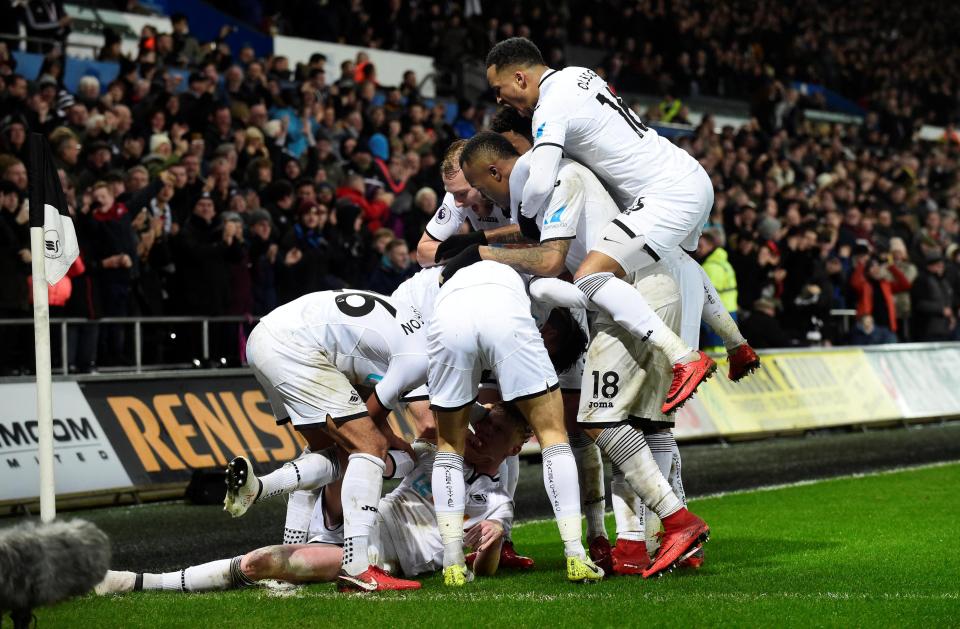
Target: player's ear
[(516, 450), (494, 172), (521, 78)]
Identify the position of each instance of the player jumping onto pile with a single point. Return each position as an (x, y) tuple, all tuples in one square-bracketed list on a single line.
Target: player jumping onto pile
[(665, 193)]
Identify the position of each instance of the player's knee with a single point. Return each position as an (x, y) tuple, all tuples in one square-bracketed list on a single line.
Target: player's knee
[(597, 262)]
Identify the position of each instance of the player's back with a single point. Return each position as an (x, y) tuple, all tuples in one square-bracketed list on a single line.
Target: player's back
[(578, 111), (420, 291), (596, 209), (349, 325)]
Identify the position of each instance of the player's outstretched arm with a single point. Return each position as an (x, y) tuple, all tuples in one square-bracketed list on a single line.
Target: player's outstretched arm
[(544, 165), (545, 260)]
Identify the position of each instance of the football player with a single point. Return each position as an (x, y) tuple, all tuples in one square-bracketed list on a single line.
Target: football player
[(409, 540), (307, 355), (665, 194)]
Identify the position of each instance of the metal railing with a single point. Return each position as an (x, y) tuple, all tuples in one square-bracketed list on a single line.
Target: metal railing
[(46, 40), (137, 323)]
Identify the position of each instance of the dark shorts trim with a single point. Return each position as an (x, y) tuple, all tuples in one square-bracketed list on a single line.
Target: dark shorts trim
[(414, 398), (450, 409), (571, 391), (558, 238), (553, 387), (623, 228), (339, 421), (633, 422)]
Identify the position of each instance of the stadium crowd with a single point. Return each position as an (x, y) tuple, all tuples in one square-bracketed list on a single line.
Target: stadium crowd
[(260, 182)]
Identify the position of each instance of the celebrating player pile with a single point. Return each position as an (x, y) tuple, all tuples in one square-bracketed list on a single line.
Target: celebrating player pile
[(525, 204)]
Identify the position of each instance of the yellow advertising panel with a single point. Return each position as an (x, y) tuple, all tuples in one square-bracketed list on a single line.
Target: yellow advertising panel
[(798, 390)]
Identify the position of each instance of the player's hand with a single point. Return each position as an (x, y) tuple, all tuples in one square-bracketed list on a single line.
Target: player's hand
[(457, 243), (468, 256), (483, 534), (396, 442)]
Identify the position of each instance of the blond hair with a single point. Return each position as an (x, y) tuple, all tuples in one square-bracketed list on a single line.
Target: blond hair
[(450, 165)]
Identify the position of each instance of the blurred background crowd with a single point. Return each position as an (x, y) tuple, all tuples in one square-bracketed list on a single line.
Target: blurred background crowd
[(261, 180)]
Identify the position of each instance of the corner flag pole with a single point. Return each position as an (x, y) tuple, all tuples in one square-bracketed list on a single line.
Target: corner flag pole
[(41, 339), (53, 249)]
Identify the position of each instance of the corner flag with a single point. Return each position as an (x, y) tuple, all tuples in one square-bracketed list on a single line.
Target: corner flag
[(48, 210)]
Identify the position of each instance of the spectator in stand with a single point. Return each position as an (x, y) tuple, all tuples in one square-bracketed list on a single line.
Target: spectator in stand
[(15, 262), (901, 300), (395, 267), (875, 281), (306, 254), (263, 254), (209, 247), (934, 316), (762, 327), (106, 235), (713, 257), (415, 222)]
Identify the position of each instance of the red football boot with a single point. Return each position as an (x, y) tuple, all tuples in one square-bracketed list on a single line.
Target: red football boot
[(686, 378), (510, 559), (743, 362), (373, 579), (693, 561), (630, 557), (600, 553), (682, 532)]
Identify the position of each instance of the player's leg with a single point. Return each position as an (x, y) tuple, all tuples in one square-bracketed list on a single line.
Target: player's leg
[(509, 558), (362, 487), (629, 555), (742, 358), (222, 574), (621, 249), (544, 413), (616, 374), (293, 563), (590, 475), (449, 491)]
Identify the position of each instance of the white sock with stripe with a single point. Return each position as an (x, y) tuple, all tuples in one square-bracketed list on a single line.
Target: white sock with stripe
[(628, 450), (590, 472), (631, 311), (449, 496), (563, 491), (360, 495)]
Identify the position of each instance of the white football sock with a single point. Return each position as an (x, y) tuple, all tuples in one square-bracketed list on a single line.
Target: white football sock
[(449, 495), (221, 574), (360, 495), (627, 508), (590, 475), (631, 311), (402, 464), (563, 491), (300, 505), (628, 450), (687, 273), (716, 315), (510, 480), (309, 471)]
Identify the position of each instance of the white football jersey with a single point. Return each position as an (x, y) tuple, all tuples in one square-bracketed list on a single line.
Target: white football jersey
[(420, 291), (578, 112), (579, 208), (370, 339), (450, 216)]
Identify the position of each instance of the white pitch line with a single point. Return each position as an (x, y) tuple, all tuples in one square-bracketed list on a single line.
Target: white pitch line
[(584, 593)]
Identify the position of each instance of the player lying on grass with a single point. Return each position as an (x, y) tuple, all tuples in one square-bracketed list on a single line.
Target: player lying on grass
[(307, 355), (408, 542), (481, 321), (420, 291), (665, 193), (576, 213)]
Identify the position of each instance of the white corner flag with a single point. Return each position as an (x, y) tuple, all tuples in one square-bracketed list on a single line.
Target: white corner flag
[(48, 211), (53, 248)]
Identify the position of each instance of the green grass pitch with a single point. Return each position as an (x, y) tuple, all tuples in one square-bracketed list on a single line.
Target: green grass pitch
[(868, 552)]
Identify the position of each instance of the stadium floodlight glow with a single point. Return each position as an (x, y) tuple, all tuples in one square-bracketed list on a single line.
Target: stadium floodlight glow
[(173, 336)]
